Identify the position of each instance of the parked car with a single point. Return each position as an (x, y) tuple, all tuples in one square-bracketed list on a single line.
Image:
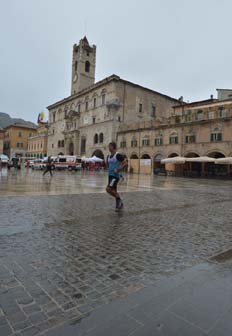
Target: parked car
[(4, 160), (38, 164)]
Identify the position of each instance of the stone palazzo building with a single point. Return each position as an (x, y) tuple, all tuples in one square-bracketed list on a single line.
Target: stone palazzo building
[(202, 128), (86, 121)]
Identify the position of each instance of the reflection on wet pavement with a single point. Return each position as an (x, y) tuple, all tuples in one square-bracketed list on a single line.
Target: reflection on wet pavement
[(28, 182)]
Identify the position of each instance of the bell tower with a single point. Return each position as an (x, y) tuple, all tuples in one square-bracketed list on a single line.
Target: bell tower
[(83, 66)]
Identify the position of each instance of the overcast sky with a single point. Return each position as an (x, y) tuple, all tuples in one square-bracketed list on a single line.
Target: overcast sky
[(177, 47)]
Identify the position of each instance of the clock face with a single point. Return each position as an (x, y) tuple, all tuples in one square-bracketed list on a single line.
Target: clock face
[(75, 78)]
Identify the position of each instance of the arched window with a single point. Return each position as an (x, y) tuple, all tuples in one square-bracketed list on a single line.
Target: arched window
[(101, 138), (87, 66), (95, 140)]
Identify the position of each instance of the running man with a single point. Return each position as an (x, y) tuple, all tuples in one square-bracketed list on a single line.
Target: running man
[(116, 162)]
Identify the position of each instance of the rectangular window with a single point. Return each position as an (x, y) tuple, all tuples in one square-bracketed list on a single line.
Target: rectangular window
[(79, 108), (20, 134), (188, 116), (94, 102), (199, 115), (94, 120), (83, 145), (158, 141), (173, 140), (86, 106), (211, 115), (145, 142), (133, 143), (103, 99), (153, 111), (140, 108), (123, 144), (221, 112), (190, 139), (215, 137)]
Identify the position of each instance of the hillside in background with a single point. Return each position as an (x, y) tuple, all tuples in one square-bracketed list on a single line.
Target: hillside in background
[(6, 120)]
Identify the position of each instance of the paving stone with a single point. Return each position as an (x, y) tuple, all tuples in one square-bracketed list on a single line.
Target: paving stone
[(75, 250), (5, 330), (121, 325), (37, 318), (22, 325), (168, 324), (31, 309)]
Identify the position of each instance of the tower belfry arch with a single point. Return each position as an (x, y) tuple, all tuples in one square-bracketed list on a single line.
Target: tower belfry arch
[(83, 66)]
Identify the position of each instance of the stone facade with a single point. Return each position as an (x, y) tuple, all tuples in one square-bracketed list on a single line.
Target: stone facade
[(37, 144), (195, 129), (16, 139), (83, 66), (85, 122)]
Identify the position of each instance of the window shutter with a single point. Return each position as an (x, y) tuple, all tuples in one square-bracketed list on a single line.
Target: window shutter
[(212, 137), (219, 137)]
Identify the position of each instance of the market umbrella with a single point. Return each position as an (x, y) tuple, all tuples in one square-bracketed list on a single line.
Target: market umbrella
[(174, 160), (200, 159), (226, 160)]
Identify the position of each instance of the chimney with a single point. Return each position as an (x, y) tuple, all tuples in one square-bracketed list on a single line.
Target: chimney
[(211, 96)]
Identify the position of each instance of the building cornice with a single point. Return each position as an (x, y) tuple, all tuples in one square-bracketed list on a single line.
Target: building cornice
[(102, 83)]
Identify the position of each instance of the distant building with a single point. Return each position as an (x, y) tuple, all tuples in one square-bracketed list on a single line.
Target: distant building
[(16, 139), (37, 143), (85, 122), (1, 140)]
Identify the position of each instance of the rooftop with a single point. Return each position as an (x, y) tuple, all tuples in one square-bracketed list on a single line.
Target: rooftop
[(103, 82)]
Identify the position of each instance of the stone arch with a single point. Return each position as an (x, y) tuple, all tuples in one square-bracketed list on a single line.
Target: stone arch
[(158, 167), (173, 154), (101, 138), (98, 153), (87, 66), (191, 154), (71, 148), (215, 154), (145, 156), (134, 156)]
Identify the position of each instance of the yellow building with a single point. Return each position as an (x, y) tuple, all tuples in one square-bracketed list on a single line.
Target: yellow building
[(16, 139), (37, 144)]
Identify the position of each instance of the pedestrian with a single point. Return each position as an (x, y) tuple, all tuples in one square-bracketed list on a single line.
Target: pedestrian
[(115, 162), (48, 167)]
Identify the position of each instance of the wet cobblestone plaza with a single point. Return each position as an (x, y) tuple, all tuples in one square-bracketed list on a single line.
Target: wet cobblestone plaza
[(65, 253)]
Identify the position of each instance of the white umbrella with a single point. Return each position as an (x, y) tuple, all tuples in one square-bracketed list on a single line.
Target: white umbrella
[(174, 160), (226, 160), (200, 159), (95, 159)]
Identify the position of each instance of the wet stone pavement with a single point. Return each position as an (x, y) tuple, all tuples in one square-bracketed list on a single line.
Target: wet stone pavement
[(68, 262)]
